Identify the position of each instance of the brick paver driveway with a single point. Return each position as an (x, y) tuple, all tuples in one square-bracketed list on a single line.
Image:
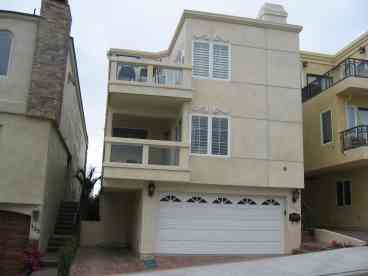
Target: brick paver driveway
[(102, 261)]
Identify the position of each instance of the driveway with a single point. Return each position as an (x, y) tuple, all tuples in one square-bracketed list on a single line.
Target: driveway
[(108, 261), (347, 261)]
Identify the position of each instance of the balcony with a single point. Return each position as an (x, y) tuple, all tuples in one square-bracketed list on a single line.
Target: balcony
[(354, 137), (143, 159), (350, 76), (132, 77)]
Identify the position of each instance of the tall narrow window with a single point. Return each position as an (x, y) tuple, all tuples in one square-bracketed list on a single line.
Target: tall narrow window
[(220, 134), (326, 127), (343, 193), (220, 61), (201, 59), (5, 47), (199, 137)]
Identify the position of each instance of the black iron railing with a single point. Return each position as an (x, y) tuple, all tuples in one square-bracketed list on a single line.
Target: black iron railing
[(350, 67), (354, 137)]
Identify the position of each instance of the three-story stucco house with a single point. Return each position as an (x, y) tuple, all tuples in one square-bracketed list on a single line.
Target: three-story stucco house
[(203, 145), (43, 138), (335, 108)]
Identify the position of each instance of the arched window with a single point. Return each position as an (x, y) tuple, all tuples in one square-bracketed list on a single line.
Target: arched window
[(271, 202), (171, 198), (247, 201), (222, 200), (5, 48), (196, 199)]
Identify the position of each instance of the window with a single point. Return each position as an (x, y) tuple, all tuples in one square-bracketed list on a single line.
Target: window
[(343, 193), (5, 48), (326, 127), (247, 201), (170, 198), (211, 60), (222, 200), (196, 199), (210, 135), (132, 72), (270, 202), (199, 137), (219, 136)]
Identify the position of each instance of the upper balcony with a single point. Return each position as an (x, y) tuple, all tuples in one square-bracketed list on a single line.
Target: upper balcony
[(137, 78), (348, 77)]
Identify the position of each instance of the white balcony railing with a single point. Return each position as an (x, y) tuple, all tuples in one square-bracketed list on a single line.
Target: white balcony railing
[(150, 73), (147, 153)]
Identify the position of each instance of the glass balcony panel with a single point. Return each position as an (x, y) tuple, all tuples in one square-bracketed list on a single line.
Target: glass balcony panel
[(163, 156), (168, 76), (132, 72), (126, 153)]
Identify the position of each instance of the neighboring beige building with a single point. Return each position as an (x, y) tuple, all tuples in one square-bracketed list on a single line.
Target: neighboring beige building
[(203, 142), (335, 110), (43, 138)]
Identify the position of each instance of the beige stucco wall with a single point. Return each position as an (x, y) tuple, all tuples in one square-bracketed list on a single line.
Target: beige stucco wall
[(14, 87), (23, 151), (320, 195), (119, 221), (72, 127), (263, 102), (54, 189)]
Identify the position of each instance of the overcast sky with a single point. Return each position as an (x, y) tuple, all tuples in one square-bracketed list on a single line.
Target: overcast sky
[(149, 25)]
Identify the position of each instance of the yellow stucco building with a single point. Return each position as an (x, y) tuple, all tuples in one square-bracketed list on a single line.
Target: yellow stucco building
[(335, 110)]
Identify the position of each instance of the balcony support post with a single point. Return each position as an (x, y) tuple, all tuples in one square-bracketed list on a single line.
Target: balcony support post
[(185, 125), (145, 154)]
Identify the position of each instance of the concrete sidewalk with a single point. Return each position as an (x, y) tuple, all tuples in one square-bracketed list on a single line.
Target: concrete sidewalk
[(347, 261)]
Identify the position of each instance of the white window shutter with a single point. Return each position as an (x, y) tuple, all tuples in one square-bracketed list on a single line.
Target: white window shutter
[(201, 59), (220, 134), (220, 61), (199, 137)]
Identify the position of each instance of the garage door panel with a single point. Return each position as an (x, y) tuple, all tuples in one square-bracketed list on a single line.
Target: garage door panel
[(189, 224), (220, 235), (228, 248), (209, 228), (174, 211)]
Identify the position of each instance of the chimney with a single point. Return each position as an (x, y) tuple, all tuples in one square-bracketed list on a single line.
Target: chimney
[(50, 60), (273, 13)]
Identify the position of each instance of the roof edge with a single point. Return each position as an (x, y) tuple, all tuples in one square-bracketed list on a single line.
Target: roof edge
[(15, 14)]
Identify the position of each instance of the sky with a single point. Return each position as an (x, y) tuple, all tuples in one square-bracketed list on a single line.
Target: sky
[(328, 25)]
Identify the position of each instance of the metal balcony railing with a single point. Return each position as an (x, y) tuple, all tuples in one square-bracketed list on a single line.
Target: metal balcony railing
[(350, 67), (354, 137)]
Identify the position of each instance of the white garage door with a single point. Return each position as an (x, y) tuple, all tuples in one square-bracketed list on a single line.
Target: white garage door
[(219, 224)]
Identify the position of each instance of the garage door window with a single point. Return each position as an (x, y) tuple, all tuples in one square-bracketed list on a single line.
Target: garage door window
[(247, 201), (197, 199), (222, 200), (271, 202), (171, 198)]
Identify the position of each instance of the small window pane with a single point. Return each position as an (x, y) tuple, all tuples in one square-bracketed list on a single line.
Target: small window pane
[(220, 136), (326, 127), (339, 194), (220, 61), (201, 59), (347, 193), (5, 45), (199, 137)]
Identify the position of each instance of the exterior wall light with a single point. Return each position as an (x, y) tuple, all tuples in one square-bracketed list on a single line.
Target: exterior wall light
[(295, 195), (362, 50), (35, 215), (151, 188)]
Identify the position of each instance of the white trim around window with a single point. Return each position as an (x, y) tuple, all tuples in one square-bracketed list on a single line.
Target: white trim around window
[(321, 127), (211, 59), (209, 135)]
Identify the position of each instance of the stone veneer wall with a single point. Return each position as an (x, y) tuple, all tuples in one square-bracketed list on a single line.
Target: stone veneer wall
[(50, 60)]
